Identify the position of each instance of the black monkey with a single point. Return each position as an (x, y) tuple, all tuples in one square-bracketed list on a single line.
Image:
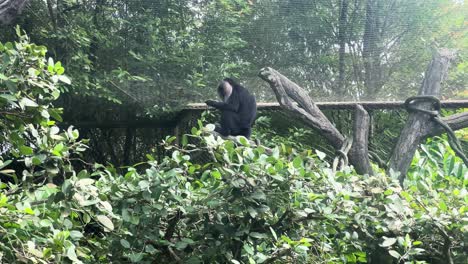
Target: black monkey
[(238, 109)]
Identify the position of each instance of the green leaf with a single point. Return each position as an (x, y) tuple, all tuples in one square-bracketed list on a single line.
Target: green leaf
[(9, 97), (125, 243), (243, 141), (181, 245), (253, 213), (55, 114), (258, 235), (45, 223), (248, 249), (66, 187), (136, 257), (71, 254), (321, 155), (28, 102), (57, 151), (3, 164), (184, 140), (209, 128), (443, 206), (25, 150), (273, 233), (29, 211), (106, 222), (64, 79), (388, 242), (297, 162), (394, 254), (7, 171), (76, 235)]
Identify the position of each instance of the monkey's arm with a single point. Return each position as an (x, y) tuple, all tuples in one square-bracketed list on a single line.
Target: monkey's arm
[(232, 106)]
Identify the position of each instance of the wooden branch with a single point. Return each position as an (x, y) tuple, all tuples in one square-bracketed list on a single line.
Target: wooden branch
[(359, 154), (165, 122), (455, 122), (286, 91), (345, 105), (418, 124)]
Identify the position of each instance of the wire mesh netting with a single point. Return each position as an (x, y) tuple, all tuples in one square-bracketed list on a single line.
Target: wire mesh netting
[(132, 60), (167, 53)]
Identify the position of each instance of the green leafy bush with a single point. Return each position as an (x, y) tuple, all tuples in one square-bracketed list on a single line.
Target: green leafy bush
[(247, 206), (41, 221)]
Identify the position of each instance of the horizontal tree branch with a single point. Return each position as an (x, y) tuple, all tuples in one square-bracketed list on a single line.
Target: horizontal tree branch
[(288, 92), (345, 105), (455, 122)]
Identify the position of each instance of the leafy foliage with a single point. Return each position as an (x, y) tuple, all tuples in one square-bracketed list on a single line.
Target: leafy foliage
[(41, 220)]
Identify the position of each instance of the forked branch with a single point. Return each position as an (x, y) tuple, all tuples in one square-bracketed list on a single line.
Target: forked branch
[(296, 100)]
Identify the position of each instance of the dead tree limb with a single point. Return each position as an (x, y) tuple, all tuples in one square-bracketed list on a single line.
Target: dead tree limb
[(419, 124), (287, 91), (359, 154), (9, 9), (455, 122)]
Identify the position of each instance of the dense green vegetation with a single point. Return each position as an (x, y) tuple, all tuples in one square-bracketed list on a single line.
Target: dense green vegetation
[(242, 204)]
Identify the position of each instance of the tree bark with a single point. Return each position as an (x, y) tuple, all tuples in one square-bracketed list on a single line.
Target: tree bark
[(419, 124), (455, 122), (359, 155), (10, 9), (286, 91)]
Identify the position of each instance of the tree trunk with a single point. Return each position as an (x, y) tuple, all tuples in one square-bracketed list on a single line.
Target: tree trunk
[(359, 155), (419, 125), (9, 9)]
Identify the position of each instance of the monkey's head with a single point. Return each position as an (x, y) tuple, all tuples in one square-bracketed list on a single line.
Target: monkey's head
[(225, 88)]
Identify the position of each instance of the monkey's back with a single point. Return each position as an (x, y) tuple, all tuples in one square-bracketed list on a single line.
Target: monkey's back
[(247, 107)]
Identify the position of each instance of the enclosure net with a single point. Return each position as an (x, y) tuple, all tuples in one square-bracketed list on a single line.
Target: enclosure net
[(167, 53)]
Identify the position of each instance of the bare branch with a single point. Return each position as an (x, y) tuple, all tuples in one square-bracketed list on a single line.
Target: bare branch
[(455, 122), (287, 91), (359, 152)]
